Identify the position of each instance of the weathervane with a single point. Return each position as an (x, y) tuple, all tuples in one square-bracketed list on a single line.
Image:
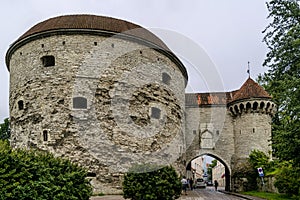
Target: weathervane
[(248, 71)]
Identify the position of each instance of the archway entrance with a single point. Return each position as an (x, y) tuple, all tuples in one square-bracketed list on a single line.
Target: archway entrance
[(209, 168)]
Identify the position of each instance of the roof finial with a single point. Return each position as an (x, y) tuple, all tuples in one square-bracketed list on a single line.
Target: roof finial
[(248, 71)]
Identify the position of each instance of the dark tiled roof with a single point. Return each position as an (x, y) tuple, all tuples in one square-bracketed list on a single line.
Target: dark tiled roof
[(94, 22), (250, 89)]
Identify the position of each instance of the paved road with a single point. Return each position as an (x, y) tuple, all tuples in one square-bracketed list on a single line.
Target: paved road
[(208, 194), (198, 194)]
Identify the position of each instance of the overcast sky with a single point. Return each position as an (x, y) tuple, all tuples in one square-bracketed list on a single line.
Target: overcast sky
[(229, 32)]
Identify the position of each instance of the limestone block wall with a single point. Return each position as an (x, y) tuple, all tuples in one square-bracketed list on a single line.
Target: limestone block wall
[(252, 131), (209, 130), (131, 104)]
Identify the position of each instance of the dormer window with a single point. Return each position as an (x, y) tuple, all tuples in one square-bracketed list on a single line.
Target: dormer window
[(48, 61)]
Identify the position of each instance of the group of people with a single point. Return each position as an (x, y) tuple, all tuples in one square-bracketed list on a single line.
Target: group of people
[(189, 183)]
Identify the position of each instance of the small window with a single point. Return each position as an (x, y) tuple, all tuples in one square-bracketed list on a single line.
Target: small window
[(79, 103), (48, 61), (155, 113), (45, 135), (166, 79), (91, 174), (20, 105)]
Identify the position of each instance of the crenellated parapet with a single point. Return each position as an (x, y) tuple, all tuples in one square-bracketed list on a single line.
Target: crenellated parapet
[(263, 106)]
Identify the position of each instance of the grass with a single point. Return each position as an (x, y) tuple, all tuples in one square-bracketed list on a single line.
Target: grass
[(268, 195)]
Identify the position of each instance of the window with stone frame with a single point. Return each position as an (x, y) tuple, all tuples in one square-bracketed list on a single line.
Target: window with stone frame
[(48, 61), (79, 103)]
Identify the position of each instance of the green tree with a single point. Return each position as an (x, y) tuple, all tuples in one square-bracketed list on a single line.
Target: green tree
[(282, 80), (5, 130), (209, 169), (39, 175), (213, 163), (287, 179), (150, 182), (258, 159)]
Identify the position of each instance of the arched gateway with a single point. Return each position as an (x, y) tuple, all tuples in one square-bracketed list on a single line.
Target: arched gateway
[(107, 94), (228, 126)]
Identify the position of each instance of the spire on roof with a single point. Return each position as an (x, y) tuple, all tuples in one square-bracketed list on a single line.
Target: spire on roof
[(248, 71), (250, 89)]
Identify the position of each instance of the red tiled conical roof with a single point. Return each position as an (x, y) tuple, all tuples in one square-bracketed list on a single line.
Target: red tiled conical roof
[(94, 22), (250, 89)]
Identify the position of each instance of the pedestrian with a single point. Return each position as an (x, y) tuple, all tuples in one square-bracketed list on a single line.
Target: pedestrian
[(184, 184), (188, 183), (191, 184), (216, 185)]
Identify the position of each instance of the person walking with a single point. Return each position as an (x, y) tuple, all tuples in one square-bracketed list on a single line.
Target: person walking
[(184, 184), (216, 185), (191, 184)]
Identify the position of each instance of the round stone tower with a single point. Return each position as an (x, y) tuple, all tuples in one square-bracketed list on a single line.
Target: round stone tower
[(252, 111), (103, 92)]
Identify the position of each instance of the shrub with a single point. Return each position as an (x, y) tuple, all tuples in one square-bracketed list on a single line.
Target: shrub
[(288, 179), (5, 130), (148, 182), (39, 175)]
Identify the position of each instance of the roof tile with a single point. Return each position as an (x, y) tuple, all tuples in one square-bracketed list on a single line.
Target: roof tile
[(94, 22), (250, 89)]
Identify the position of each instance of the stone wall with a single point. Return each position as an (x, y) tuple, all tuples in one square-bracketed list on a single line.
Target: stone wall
[(209, 130), (133, 115), (109, 103)]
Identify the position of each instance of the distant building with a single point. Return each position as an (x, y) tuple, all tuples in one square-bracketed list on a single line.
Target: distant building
[(218, 173), (197, 167)]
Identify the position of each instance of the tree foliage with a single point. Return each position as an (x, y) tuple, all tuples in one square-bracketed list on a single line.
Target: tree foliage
[(282, 80), (258, 159), (5, 130), (39, 175), (287, 179), (150, 182), (209, 169), (213, 163)]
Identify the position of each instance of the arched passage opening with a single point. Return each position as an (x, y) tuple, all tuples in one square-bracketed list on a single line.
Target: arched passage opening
[(201, 167)]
